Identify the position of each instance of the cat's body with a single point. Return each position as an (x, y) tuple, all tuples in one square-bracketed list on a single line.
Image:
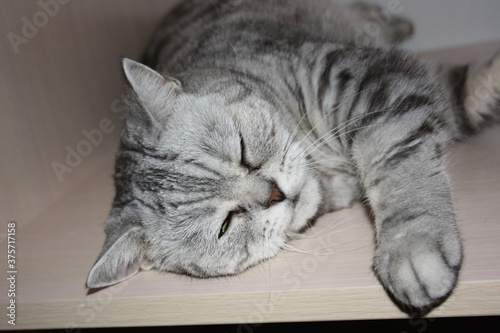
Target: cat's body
[(279, 112)]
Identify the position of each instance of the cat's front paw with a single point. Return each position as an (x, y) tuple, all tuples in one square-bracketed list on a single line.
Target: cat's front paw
[(419, 270)]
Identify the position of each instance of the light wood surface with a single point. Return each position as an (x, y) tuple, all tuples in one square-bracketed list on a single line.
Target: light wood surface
[(60, 229)]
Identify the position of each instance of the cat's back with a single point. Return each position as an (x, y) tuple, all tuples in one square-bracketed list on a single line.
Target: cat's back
[(199, 32)]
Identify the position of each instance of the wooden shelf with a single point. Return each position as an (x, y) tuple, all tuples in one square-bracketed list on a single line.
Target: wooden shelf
[(330, 280)]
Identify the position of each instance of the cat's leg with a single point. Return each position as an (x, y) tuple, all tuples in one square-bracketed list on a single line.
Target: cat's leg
[(379, 24), (419, 250), (400, 163)]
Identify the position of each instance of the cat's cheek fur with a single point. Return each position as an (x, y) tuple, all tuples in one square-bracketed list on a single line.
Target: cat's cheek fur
[(268, 234), (308, 205)]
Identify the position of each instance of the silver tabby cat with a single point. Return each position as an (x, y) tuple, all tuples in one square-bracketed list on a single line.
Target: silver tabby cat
[(253, 118)]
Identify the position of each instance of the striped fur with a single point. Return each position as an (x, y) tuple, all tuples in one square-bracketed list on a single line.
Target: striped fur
[(259, 116)]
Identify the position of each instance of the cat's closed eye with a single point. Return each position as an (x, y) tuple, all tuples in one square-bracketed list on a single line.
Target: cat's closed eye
[(244, 161), (228, 220)]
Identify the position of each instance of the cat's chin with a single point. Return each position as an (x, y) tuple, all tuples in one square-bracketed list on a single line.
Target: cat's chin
[(307, 206)]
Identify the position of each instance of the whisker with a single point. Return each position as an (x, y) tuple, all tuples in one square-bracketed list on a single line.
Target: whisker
[(290, 248), (320, 233), (346, 99), (319, 250), (309, 109), (290, 139), (330, 135), (336, 135), (336, 130), (297, 128), (328, 160)]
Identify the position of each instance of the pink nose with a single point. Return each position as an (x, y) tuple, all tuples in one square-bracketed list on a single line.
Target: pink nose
[(276, 195)]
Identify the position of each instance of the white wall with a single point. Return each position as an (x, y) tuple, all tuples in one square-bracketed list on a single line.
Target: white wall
[(448, 23)]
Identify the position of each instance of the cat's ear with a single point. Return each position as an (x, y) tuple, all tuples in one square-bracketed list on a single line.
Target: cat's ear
[(121, 258), (155, 92)]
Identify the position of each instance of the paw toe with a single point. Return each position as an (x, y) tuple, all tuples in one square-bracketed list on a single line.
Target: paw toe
[(417, 276)]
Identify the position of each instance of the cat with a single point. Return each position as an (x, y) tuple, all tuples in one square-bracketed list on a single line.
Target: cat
[(249, 119)]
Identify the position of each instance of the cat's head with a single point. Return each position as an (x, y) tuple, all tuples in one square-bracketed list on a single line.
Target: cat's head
[(209, 181)]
